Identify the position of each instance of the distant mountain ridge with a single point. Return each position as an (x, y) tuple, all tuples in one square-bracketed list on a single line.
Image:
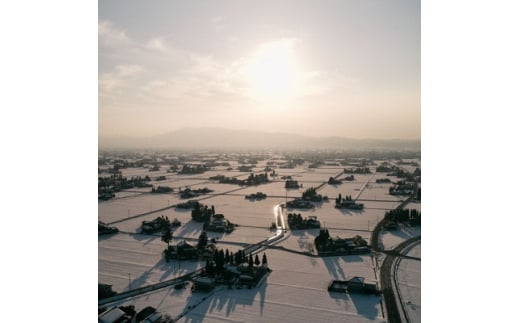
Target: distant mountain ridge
[(219, 138)]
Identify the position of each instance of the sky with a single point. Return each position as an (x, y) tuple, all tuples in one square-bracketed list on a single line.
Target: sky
[(316, 68)]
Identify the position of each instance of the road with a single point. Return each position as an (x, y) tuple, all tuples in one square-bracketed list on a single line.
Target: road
[(389, 284)]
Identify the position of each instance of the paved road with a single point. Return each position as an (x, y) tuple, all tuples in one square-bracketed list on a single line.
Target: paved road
[(389, 284)]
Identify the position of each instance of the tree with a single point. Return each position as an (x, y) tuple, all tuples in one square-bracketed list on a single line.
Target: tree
[(257, 260), (226, 257), (203, 241), (167, 236), (250, 260), (238, 257), (209, 266), (264, 259)]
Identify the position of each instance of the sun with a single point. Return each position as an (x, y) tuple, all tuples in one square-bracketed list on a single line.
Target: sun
[(272, 71)]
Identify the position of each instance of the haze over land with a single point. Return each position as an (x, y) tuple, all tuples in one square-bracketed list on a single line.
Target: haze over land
[(315, 68), (196, 138)]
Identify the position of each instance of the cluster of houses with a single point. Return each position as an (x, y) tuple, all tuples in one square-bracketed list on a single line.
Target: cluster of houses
[(296, 222), (188, 205), (218, 223), (246, 273), (193, 169), (402, 188), (291, 184), (103, 228), (299, 204), (158, 224), (127, 314), (162, 189), (182, 251), (327, 246), (347, 203), (107, 186), (334, 181), (252, 179), (189, 193), (358, 170), (256, 196), (383, 180)]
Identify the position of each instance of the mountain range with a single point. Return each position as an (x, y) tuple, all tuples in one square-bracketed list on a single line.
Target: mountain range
[(219, 138)]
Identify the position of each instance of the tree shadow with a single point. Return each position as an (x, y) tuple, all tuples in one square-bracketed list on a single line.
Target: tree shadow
[(104, 237), (351, 211), (405, 232), (147, 238), (223, 300), (334, 266), (190, 228)]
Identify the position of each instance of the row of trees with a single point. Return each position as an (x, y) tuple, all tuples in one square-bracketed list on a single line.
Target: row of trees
[(358, 170), (411, 216), (117, 182), (310, 194), (193, 169), (222, 258), (202, 213), (253, 179), (339, 199)]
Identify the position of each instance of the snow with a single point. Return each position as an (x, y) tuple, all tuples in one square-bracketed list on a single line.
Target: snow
[(295, 291), (391, 239), (141, 257), (409, 283)]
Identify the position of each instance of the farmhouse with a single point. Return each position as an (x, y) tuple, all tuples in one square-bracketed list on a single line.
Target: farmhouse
[(203, 284), (353, 285)]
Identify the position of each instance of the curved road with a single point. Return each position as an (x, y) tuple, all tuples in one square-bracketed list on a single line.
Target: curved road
[(389, 284)]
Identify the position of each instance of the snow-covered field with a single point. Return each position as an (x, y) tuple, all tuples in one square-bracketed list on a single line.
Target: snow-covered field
[(296, 290), (391, 239), (409, 283)]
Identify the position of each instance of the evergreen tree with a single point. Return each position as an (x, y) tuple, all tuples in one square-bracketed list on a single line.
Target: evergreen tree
[(203, 240), (238, 259), (209, 266), (257, 260), (167, 236), (250, 260), (226, 257), (264, 259), (231, 258)]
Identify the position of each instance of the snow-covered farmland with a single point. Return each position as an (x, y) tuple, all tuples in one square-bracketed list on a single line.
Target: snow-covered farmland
[(391, 239), (409, 283), (295, 291)]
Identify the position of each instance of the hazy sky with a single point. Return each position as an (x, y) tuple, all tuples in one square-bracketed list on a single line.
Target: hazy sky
[(318, 68)]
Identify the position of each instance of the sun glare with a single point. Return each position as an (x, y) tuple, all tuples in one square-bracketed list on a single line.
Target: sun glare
[(272, 72)]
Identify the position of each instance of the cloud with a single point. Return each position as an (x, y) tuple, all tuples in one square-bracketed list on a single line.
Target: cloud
[(120, 77), (110, 36), (156, 44), (218, 23)]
